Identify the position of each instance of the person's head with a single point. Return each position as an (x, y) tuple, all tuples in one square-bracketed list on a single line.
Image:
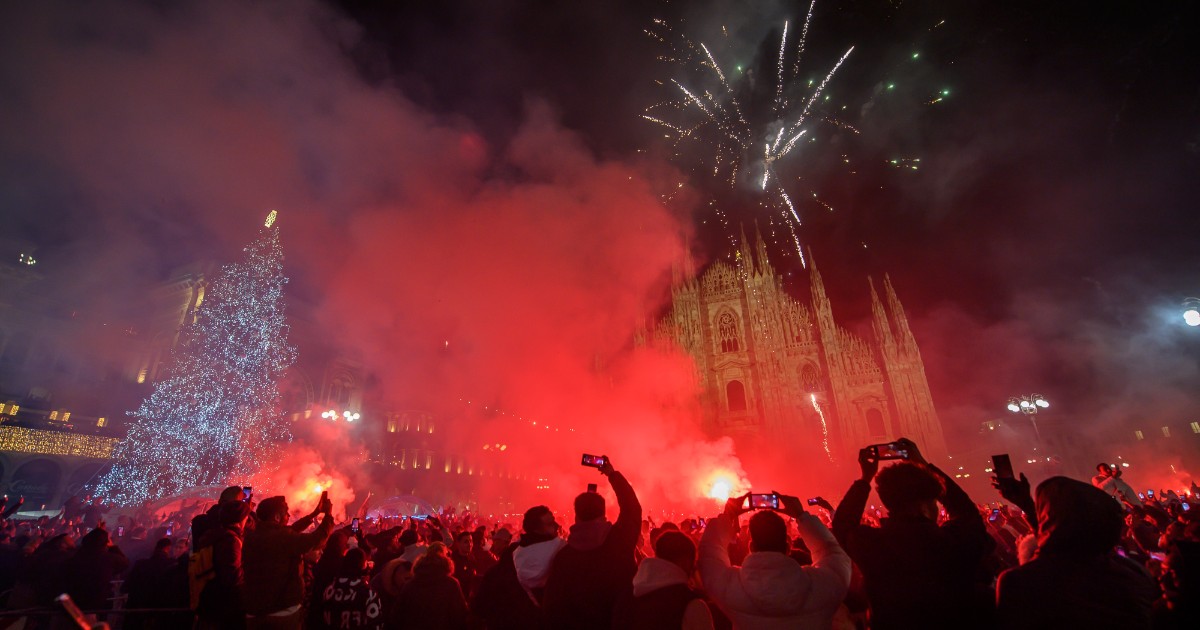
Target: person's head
[(232, 493), (462, 543), (768, 532), (162, 547), (354, 563), (589, 506), (1104, 469), (500, 540), (233, 513), (409, 537), (273, 510), (909, 489), (97, 539), (539, 520), (338, 543), (1076, 519), (434, 563), (678, 549)]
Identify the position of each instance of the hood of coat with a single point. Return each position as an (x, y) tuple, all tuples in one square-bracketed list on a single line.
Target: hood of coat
[(774, 583), (655, 573), (533, 562), (589, 534)]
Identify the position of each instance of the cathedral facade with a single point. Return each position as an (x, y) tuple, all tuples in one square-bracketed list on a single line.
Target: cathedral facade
[(774, 370)]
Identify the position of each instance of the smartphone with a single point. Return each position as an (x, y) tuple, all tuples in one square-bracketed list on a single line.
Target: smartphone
[(354, 524), (594, 461), (1142, 496), (246, 492), (168, 532), (814, 501), (994, 515), (592, 487), (1150, 493), (764, 502), (1002, 466), (120, 532), (1185, 506), (891, 450)]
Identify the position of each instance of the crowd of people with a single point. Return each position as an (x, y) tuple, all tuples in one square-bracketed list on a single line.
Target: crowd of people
[(1068, 554)]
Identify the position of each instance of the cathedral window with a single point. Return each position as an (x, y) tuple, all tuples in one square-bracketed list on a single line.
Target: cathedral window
[(735, 392), (727, 329), (810, 379), (875, 423)]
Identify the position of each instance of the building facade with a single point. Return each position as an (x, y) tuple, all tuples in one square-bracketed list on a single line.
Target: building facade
[(772, 368)]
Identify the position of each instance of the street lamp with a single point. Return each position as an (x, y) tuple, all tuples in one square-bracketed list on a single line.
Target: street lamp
[(1191, 312), (333, 415), (1029, 405)]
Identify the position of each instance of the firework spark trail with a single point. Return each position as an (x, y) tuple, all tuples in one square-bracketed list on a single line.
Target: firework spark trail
[(803, 39), (779, 69), (824, 428)]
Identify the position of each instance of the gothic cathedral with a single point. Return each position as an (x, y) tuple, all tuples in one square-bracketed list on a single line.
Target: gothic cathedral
[(776, 371)]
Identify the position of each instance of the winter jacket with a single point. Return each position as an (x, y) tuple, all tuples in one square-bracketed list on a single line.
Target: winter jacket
[(1116, 487), (596, 566), (532, 563), (770, 589), (662, 599), (502, 602), (272, 560), (90, 572), (915, 571), (350, 604), (431, 600)]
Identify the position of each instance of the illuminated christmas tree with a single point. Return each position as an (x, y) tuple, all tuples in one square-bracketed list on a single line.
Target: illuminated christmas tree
[(216, 417)]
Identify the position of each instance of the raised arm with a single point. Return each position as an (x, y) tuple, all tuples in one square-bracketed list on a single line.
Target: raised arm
[(848, 514)]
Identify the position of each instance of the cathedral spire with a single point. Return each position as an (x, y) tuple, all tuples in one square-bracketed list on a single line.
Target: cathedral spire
[(764, 264), (879, 320), (899, 319), (747, 258)]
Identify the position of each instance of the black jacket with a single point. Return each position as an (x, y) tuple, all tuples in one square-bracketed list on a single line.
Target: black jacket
[(585, 581), (916, 572)]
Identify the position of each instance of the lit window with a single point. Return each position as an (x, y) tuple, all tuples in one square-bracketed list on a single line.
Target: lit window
[(1196, 427), (1139, 435), (66, 416), (1166, 431), (391, 426), (141, 377), (431, 426), (54, 415), (101, 422)]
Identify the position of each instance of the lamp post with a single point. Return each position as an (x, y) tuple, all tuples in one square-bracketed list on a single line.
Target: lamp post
[(1191, 311), (1029, 405)]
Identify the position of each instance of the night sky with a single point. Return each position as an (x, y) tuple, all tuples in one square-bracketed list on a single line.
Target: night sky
[(1044, 245)]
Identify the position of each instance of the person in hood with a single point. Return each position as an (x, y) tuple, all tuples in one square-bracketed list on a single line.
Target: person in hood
[(662, 597), (510, 594), (1076, 579), (598, 563), (770, 589)]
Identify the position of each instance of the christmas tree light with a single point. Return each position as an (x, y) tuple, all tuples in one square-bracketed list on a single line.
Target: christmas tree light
[(216, 417)]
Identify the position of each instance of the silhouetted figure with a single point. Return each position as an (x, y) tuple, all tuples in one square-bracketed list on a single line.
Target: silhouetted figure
[(916, 573), (1075, 579), (598, 564), (771, 589)]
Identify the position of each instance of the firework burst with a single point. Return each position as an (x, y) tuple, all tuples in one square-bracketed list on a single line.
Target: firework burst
[(747, 136)]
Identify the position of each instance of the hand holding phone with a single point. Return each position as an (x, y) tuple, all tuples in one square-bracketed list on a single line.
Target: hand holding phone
[(594, 461), (891, 450), (769, 501), (1002, 466)]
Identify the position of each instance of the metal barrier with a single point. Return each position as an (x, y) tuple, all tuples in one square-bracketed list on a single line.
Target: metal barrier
[(54, 618)]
